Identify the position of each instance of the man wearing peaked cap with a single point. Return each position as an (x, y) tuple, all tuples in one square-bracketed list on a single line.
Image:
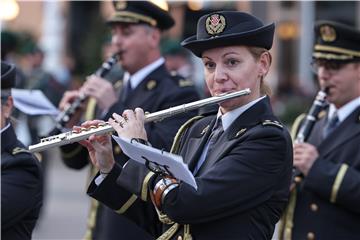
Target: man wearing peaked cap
[(136, 28), (336, 42), (142, 12), (21, 174), (326, 200)]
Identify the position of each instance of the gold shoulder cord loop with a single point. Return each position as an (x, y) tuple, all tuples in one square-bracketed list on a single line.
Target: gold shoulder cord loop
[(176, 143), (162, 217)]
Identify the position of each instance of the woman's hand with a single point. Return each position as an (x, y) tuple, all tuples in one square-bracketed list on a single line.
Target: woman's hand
[(99, 147), (130, 124)]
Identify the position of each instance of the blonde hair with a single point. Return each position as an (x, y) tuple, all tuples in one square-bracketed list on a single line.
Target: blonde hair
[(256, 52)]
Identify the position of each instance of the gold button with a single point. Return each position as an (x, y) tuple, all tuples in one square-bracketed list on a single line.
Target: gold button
[(297, 179), (310, 236), (117, 150), (314, 207), (179, 238)]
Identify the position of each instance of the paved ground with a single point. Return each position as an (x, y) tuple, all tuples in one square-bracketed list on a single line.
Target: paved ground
[(66, 205)]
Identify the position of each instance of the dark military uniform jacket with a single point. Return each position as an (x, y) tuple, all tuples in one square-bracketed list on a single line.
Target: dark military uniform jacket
[(242, 187), (158, 91), (21, 188), (327, 202)]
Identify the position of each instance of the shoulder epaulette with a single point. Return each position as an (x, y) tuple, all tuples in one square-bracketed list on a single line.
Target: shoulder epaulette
[(180, 80), (185, 83), (272, 123), (18, 150)]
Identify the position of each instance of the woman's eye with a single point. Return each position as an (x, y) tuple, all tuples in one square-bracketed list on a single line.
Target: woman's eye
[(232, 62), (209, 65)]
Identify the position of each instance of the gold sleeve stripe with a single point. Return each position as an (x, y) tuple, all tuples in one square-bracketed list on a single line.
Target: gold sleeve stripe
[(337, 50), (169, 233), (296, 125), (72, 153), (128, 204), (338, 180), (144, 189)]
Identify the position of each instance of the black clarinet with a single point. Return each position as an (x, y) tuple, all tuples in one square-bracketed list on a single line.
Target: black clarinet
[(63, 118), (308, 124)]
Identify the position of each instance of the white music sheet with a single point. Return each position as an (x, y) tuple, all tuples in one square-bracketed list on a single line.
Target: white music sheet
[(174, 163), (33, 102)]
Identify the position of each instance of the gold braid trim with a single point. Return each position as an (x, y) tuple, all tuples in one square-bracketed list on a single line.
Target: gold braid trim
[(163, 217), (338, 180), (169, 233), (187, 235), (132, 17), (91, 221), (287, 220), (296, 125), (176, 143), (126, 205), (330, 56), (90, 109), (337, 50), (144, 189)]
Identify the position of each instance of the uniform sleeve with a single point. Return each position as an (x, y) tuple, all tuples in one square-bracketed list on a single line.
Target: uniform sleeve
[(246, 177), (126, 202), (338, 183), (21, 190)]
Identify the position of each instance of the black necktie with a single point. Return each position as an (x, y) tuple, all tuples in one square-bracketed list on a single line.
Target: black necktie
[(331, 124), (127, 90), (214, 136)]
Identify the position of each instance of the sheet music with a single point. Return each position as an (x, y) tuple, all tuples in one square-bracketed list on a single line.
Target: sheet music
[(33, 102), (175, 163)]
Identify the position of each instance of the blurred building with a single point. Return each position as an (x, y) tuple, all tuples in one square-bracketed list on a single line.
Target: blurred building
[(76, 30)]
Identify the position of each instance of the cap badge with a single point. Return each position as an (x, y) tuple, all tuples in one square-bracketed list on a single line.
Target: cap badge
[(327, 33), (120, 5), (215, 24)]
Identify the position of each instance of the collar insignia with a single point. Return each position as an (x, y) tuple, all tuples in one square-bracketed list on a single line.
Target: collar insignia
[(240, 132), (151, 85), (327, 33), (215, 24), (205, 130)]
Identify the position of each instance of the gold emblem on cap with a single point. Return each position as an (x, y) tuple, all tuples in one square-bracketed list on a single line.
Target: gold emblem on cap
[(327, 33), (120, 5), (151, 84), (215, 24)]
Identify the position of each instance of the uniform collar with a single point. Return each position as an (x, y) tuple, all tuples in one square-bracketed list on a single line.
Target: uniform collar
[(4, 128), (140, 75), (229, 117), (345, 110)]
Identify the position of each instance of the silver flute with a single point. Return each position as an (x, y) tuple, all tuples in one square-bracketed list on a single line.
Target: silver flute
[(103, 128)]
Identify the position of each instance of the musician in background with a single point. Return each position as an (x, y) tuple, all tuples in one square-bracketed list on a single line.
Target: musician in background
[(137, 28), (21, 174), (326, 200), (240, 156)]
